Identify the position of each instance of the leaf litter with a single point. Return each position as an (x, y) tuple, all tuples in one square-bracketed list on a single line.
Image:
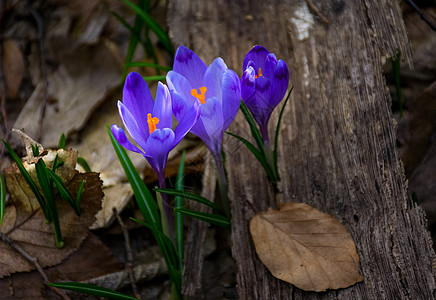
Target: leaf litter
[(305, 247)]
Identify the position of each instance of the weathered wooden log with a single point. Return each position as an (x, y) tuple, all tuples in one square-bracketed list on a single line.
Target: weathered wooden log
[(336, 149)]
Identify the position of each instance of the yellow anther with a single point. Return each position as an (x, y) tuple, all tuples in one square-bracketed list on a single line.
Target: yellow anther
[(152, 122), (201, 96), (259, 74)]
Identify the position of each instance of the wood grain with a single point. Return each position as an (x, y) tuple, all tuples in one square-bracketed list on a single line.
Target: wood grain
[(337, 143)]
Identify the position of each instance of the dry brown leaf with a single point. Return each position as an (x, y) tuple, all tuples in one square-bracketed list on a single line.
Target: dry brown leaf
[(305, 247), (13, 66), (29, 230)]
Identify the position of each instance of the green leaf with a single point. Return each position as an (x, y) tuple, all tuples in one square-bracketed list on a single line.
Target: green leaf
[(191, 196), (143, 196), (84, 164), (79, 196), (90, 289), (169, 250), (62, 141), (29, 181), (259, 156), (254, 130), (154, 26), (145, 64), (180, 182), (276, 138), (215, 219), (2, 198), (63, 191), (155, 78), (42, 172), (35, 150)]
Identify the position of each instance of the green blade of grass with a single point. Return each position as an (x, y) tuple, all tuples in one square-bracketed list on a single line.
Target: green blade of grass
[(42, 172), (145, 64), (191, 196), (143, 196), (90, 289), (63, 191), (215, 219), (253, 128), (2, 198), (276, 138), (29, 180), (62, 141), (180, 182), (84, 164), (153, 25), (259, 156), (155, 78), (79, 196)]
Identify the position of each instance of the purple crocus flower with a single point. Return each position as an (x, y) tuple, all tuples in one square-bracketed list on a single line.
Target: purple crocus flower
[(149, 123), (216, 88), (263, 85)]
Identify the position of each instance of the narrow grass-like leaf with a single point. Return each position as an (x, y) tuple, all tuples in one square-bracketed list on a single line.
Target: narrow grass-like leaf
[(42, 172), (155, 78), (35, 150), (143, 196), (154, 26), (62, 141), (276, 138), (254, 130), (122, 21), (79, 196), (180, 182), (191, 196), (145, 64), (90, 289), (169, 250), (84, 164), (259, 156), (2, 198), (63, 191), (215, 219), (29, 181)]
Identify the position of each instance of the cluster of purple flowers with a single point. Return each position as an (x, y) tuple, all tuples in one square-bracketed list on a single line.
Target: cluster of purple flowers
[(204, 100)]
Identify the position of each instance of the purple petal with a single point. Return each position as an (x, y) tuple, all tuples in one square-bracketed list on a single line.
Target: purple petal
[(137, 134), (179, 105), (158, 145), (270, 66), (121, 137), (188, 64), (177, 82), (187, 122), (247, 84), (137, 99), (212, 117), (260, 105), (280, 83), (213, 78), (162, 107), (231, 97), (199, 130), (258, 55)]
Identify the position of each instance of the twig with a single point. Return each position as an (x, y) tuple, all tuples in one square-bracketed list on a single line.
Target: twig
[(33, 261), (40, 25), (316, 10), (421, 14), (130, 260)]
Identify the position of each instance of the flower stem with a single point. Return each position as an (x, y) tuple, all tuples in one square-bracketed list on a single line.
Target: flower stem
[(222, 183), (270, 160), (164, 207)]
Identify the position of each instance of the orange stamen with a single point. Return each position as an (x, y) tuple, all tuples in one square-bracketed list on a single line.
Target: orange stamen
[(260, 74), (152, 123), (201, 96)]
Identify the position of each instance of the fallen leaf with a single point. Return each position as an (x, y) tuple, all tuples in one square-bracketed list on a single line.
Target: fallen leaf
[(13, 66), (30, 232), (305, 247)]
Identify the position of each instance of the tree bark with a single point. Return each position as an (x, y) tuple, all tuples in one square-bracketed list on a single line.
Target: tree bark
[(336, 148)]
